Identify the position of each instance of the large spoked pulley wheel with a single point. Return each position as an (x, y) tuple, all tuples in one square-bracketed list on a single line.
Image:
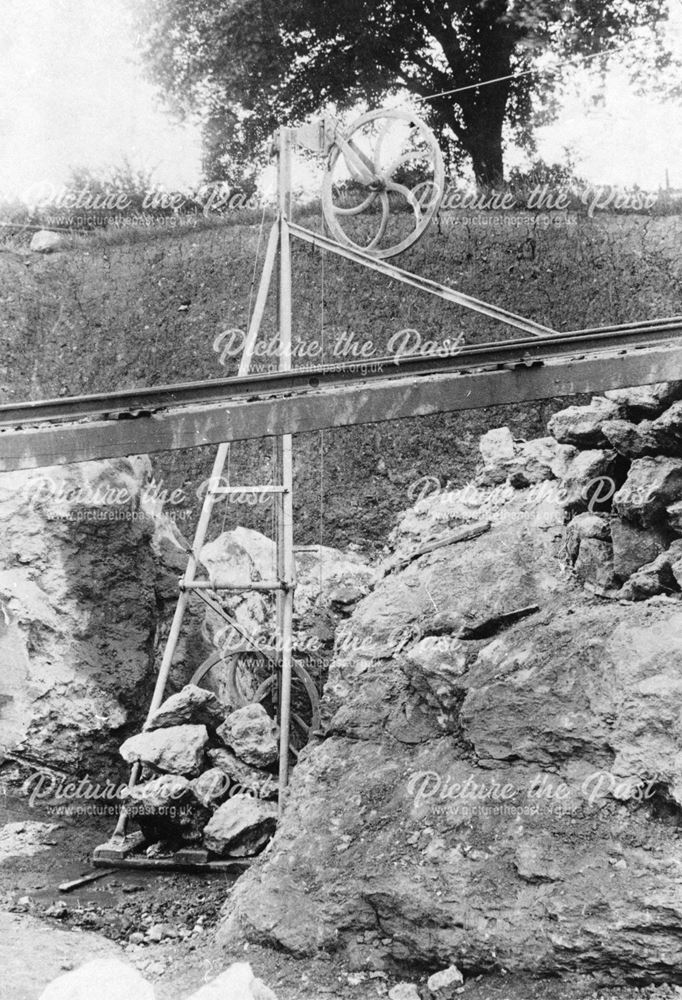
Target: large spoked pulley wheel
[(244, 679), (384, 182)]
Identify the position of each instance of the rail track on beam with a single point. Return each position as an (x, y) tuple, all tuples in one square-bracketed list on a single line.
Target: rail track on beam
[(191, 414)]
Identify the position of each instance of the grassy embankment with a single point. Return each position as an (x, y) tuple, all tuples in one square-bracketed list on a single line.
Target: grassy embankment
[(145, 308)]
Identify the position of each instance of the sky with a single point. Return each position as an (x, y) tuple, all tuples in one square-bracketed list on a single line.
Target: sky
[(72, 94)]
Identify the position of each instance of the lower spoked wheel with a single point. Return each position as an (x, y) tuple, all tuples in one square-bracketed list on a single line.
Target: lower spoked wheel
[(244, 678)]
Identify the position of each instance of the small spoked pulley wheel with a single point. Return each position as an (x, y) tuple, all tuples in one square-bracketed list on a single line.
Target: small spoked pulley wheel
[(384, 182)]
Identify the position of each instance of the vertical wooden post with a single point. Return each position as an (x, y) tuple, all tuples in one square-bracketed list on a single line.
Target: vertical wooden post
[(285, 535)]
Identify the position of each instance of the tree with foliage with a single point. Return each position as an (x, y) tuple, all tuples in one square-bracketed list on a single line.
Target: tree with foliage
[(249, 65)]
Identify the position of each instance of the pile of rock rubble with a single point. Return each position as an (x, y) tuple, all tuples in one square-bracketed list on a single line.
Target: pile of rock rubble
[(207, 778), (499, 785), (618, 463)]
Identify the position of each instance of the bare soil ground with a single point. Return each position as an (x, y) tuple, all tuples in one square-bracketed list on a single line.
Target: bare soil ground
[(44, 932)]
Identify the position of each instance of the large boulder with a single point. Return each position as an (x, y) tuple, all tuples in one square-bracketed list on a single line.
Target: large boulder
[(211, 788), (104, 978), (166, 808), (662, 576), (79, 611), (252, 734), (236, 983), (192, 705), (652, 484), (445, 984), (504, 801), (176, 750), (521, 463), (240, 556), (46, 241), (640, 401), (241, 826), (634, 547), (594, 564), (242, 776), (662, 436), (586, 525), (582, 425), (590, 480)]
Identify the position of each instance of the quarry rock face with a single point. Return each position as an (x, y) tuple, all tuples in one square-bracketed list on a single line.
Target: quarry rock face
[(504, 801), (78, 611)]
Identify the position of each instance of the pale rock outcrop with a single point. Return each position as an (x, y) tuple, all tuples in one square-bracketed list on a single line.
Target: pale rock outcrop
[(521, 463), (78, 611), (404, 991)]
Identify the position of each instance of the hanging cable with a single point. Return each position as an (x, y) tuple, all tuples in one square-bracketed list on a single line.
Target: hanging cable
[(321, 511), (518, 76), (255, 268)]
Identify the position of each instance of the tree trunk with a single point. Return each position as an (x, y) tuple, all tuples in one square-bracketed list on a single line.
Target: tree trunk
[(484, 145), (481, 140)]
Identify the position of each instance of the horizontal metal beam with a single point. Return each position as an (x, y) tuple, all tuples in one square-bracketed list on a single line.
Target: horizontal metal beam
[(135, 403), (357, 401)]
